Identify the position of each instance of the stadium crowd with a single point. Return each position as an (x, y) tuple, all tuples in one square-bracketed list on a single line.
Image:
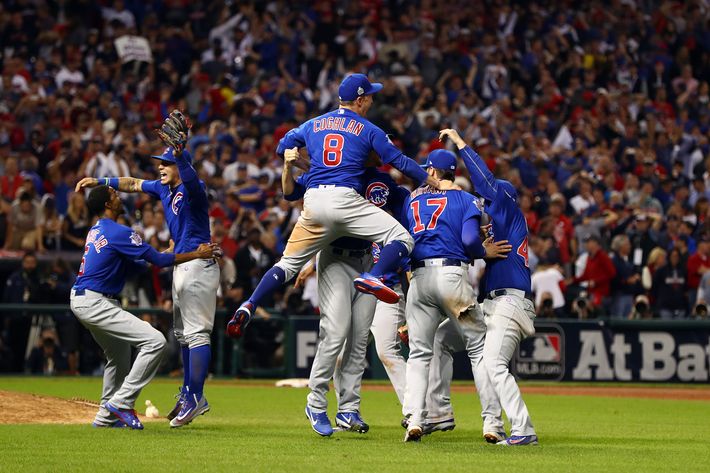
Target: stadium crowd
[(597, 112)]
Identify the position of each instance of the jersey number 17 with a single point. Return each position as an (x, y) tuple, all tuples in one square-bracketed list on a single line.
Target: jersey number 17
[(439, 203)]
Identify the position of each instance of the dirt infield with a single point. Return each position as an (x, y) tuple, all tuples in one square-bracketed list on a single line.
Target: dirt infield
[(26, 408)]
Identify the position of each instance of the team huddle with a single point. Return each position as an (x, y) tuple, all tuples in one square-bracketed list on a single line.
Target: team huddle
[(363, 235)]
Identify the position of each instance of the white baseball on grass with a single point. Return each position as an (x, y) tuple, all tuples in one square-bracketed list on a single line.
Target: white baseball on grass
[(150, 410)]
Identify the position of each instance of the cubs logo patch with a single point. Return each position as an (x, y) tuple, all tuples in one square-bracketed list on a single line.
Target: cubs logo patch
[(175, 205), (136, 239), (377, 193)]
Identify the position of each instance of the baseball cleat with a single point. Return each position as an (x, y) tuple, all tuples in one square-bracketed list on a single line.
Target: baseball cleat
[(405, 421), (319, 422), (127, 416), (369, 284), (442, 426), (181, 397), (494, 437), (113, 425), (191, 408), (351, 421), (519, 440), (240, 320), (414, 434)]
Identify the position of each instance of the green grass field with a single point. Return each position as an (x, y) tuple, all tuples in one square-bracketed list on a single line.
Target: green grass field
[(256, 428)]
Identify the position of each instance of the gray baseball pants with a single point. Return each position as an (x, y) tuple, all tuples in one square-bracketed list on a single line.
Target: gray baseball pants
[(331, 212), (345, 320), (437, 293), (116, 331)]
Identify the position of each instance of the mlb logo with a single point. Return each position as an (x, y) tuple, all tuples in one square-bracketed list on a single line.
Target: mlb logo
[(541, 356), (544, 347)]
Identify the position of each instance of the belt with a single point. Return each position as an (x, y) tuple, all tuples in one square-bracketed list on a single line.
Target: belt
[(82, 292), (431, 262), (510, 292), (349, 253)]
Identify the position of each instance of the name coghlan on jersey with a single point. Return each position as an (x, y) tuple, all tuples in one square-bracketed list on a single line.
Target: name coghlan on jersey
[(338, 124)]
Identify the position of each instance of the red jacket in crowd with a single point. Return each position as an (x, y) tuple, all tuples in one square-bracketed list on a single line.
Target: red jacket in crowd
[(599, 272)]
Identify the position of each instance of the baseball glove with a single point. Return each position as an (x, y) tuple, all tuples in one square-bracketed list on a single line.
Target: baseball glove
[(174, 130)]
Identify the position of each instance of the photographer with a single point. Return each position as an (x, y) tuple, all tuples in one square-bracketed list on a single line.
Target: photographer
[(598, 273), (641, 308), (547, 284)]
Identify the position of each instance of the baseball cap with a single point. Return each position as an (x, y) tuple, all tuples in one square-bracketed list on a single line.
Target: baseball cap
[(357, 85), (441, 159), (168, 156)]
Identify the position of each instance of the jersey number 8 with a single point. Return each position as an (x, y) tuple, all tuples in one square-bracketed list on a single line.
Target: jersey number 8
[(333, 149)]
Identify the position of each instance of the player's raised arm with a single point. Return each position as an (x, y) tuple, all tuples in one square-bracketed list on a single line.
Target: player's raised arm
[(174, 133), (393, 156), (483, 179), (123, 184)]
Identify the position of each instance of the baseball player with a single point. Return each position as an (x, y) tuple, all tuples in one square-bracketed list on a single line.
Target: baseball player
[(195, 283), (111, 251), (346, 314), (445, 225), (339, 144), (510, 310)]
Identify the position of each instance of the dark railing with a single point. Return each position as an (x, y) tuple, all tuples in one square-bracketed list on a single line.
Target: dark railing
[(223, 344)]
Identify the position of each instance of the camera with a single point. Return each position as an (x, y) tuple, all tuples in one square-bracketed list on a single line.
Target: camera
[(547, 304), (641, 307), (581, 303), (701, 310)]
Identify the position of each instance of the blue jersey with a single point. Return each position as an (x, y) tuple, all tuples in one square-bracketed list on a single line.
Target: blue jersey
[(508, 224), (111, 251), (185, 207), (436, 220), (339, 143)]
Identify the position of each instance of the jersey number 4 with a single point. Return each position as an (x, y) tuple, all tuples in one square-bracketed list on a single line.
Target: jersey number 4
[(439, 203), (333, 149), (523, 251)]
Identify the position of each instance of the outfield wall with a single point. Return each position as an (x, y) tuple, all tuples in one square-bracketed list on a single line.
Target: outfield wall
[(573, 350), (562, 350)]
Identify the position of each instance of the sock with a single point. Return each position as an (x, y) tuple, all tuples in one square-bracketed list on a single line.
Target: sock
[(185, 366), (199, 366), (391, 257), (272, 280)]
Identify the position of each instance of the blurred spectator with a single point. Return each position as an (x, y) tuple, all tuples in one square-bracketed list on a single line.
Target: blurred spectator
[(24, 230), (547, 284), (51, 224), (627, 281), (698, 265), (23, 286), (47, 358), (76, 223), (11, 180), (669, 288), (598, 274), (252, 260), (656, 260)]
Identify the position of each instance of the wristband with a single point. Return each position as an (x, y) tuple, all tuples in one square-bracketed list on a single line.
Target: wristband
[(110, 181)]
